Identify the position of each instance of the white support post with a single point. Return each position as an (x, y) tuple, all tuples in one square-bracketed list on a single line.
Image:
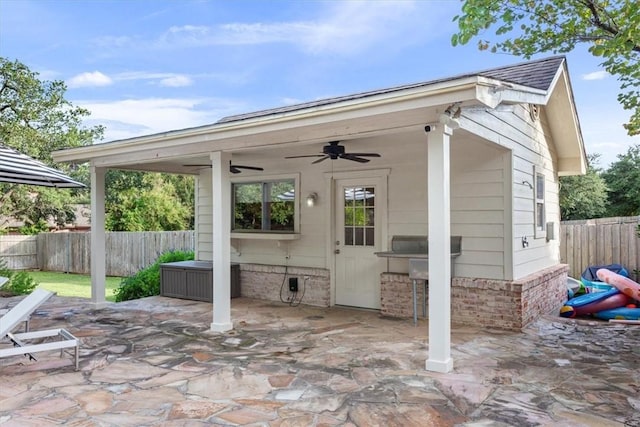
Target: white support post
[(221, 186), (98, 240), (438, 189)]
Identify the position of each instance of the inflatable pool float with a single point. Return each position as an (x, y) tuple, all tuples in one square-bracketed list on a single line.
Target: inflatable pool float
[(620, 282), (575, 288), (621, 313), (594, 283), (594, 302)]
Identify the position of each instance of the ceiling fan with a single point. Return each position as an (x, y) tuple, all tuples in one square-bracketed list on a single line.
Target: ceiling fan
[(232, 168), (335, 151)]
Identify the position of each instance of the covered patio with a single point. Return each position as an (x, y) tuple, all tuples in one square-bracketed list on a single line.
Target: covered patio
[(155, 361)]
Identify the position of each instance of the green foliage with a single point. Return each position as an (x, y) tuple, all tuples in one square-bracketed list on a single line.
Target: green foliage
[(584, 196), (623, 181), (33, 229), (137, 201), (146, 282), (4, 269), (21, 284), (611, 28), (36, 119), (148, 202)]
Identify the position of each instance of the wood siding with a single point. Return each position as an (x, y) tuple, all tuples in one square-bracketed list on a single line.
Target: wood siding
[(530, 143)]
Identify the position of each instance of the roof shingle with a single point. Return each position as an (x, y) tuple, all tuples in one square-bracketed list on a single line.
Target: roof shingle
[(537, 74)]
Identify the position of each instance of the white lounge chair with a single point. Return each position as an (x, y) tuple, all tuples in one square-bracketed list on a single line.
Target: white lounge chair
[(3, 311), (23, 310)]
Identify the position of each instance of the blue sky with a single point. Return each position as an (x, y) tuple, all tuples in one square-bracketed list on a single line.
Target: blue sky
[(144, 67)]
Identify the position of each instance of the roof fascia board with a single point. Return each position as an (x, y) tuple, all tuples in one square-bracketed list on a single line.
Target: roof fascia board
[(462, 90), (492, 92)]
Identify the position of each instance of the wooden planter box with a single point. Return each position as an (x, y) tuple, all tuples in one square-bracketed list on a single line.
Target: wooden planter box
[(193, 280)]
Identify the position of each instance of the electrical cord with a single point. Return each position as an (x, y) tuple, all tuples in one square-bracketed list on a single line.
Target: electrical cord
[(284, 279), (293, 299)]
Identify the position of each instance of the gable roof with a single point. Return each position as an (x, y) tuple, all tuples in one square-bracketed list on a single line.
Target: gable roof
[(538, 74)]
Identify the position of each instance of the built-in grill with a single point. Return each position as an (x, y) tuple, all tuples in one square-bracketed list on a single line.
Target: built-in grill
[(416, 249)]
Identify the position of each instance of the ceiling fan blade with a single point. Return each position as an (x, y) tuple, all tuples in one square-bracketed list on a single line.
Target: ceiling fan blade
[(320, 160), (253, 168), (354, 158), (364, 154), (309, 155)]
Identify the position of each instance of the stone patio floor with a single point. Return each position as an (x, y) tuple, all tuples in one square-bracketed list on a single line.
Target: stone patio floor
[(154, 362)]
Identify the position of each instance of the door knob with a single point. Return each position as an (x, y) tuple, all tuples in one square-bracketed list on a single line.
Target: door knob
[(337, 251)]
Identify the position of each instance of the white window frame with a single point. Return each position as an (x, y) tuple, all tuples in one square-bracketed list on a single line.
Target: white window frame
[(539, 200), (261, 180)]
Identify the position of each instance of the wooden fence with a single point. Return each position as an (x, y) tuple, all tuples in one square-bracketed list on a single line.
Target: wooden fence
[(19, 252), (582, 243), (127, 252), (600, 242)]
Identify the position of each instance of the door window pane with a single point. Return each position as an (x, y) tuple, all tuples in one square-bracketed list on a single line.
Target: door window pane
[(359, 216)]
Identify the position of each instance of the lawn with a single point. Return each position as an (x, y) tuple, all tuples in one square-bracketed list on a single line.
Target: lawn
[(72, 285)]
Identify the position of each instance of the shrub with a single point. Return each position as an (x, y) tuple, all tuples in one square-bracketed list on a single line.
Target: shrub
[(21, 284), (146, 282)]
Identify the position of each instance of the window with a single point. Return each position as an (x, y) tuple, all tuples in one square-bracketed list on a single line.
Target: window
[(540, 213), (359, 216), (267, 206)]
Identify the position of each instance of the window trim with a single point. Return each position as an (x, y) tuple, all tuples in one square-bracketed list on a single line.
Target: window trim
[(540, 229), (262, 179)]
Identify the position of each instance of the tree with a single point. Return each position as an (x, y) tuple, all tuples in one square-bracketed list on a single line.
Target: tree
[(139, 201), (623, 180), (36, 119), (610, 27), (584, 196)]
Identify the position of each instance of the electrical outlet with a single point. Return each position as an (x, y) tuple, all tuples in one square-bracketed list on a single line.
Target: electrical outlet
[(293, 284)]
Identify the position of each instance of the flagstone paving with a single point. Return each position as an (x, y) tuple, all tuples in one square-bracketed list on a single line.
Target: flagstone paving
[(154, 362)]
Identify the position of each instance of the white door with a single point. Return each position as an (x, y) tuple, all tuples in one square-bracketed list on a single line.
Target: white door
[(358, 223)]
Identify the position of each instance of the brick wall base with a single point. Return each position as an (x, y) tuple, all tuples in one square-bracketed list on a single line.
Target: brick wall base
[(266, 282), (500, 304)]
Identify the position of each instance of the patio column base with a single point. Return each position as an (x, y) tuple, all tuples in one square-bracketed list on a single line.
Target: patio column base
[(439, 366), (221, 327), (100, 304)]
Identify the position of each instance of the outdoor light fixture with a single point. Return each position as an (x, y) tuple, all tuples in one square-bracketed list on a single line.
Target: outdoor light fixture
[(312, 198)]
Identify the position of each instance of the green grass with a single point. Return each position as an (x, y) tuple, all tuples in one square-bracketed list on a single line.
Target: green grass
[(72, 285)]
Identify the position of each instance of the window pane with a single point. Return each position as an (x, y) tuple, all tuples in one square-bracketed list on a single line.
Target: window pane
[(370, 232), (369, 195), (359, 237), (280, 208), (540, 187), (370, 213), (264, 206), (348, 236), (247, 206), (540, 216)]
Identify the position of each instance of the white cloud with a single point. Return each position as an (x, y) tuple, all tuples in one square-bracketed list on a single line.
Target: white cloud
[(176, 81), (341, 28), (135, 117), (596, 75), (89, 79)]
